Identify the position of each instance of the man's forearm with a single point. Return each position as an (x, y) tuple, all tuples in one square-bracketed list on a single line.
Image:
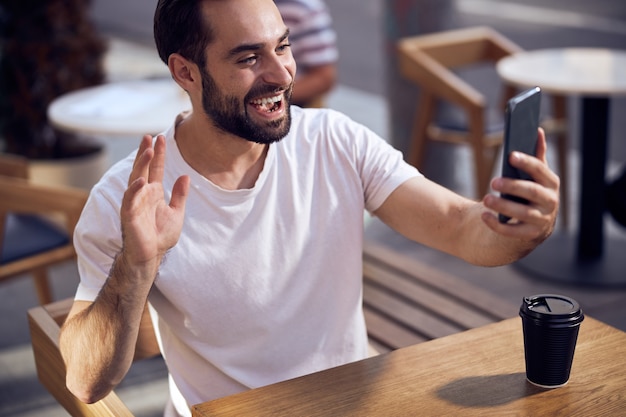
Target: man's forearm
[(98, 343)]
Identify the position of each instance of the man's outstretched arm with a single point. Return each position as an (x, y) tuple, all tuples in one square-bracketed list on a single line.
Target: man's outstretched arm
[(435, 216)]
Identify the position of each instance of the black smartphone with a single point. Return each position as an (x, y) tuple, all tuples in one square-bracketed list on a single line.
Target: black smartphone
[(521, 122)]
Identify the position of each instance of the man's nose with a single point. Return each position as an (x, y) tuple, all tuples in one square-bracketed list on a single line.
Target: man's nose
[(279, 70)]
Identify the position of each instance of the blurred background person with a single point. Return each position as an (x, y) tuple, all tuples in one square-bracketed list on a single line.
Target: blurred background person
[(313, 43)]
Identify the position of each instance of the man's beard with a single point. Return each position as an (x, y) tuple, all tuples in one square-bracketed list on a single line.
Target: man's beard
[(228, 115)]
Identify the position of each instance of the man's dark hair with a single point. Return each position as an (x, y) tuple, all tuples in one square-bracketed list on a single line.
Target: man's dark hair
[(179, 27)]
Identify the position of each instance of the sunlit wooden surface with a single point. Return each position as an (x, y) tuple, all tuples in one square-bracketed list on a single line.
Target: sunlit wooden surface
[(477, 372)]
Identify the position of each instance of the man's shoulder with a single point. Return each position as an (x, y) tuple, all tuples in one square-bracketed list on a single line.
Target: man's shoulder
[(319, 119), (324, 128), (307, 113)]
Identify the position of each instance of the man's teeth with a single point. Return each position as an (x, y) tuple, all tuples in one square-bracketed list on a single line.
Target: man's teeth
[(267, 100)]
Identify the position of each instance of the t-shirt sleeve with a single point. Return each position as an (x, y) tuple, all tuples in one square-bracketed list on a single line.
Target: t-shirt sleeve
[(380, 166), (97, 238), (383, 170)]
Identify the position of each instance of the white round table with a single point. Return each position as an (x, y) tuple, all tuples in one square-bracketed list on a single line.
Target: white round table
[(595, 75), (129, 108), (591, 72)]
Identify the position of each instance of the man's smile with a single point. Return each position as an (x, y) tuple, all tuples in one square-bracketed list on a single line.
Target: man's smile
[(268, 104)]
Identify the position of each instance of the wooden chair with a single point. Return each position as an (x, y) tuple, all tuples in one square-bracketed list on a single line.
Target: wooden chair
[(430, 61), (13, 166), (36, 225), (45, 324)]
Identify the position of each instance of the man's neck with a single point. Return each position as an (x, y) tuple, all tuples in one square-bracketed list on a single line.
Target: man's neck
[(230, 162)]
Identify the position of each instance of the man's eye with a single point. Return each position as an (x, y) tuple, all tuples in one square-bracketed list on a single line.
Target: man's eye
[(248, 61), (283, 47)]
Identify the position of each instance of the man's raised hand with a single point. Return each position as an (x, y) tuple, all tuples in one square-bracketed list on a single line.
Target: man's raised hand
[(150, 225)]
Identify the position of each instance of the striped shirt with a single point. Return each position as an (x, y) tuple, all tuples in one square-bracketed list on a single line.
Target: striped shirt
[(312, 37)]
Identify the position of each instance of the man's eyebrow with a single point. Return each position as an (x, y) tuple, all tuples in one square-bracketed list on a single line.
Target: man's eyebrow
[(253, 46)]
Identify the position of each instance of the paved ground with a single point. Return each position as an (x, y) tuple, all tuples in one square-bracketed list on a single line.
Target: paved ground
[(362, 69)]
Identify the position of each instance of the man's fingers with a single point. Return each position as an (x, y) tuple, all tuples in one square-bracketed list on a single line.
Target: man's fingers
[(146, 143), (179, 193), (130, 195), (542, 146), (157, 164), (536, 168), (142, 160)]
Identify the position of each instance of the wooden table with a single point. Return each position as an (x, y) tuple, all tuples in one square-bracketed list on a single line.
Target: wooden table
[(476, 372), (595, 75)]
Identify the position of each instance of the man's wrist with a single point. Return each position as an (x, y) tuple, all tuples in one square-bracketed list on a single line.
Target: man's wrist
[(127, 277)]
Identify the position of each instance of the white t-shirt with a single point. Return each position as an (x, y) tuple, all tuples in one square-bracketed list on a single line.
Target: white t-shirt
[(265, 284)]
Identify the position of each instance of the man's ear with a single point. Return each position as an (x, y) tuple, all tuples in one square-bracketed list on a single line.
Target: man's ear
[(184, 72)]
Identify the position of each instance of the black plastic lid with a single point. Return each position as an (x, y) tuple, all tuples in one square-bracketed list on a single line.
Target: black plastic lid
[(551, 307)]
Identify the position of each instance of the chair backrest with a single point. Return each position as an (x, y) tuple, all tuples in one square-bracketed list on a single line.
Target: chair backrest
[(45, 324), (428, 60), (59, 205), (13, 166), (36, 224), (22, 196), (433, 62)]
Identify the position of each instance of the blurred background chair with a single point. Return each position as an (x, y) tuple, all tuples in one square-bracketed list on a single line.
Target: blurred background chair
[(45, 325), (36, 225), (451, 109)]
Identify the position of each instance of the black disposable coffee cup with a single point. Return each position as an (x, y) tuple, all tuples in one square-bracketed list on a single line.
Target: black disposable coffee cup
[(550, 323)]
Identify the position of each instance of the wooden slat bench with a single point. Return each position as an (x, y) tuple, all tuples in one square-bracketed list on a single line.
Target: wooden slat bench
[(406, 301)]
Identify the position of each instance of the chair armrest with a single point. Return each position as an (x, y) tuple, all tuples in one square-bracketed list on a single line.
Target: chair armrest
[(45, 330), (23, 196)]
